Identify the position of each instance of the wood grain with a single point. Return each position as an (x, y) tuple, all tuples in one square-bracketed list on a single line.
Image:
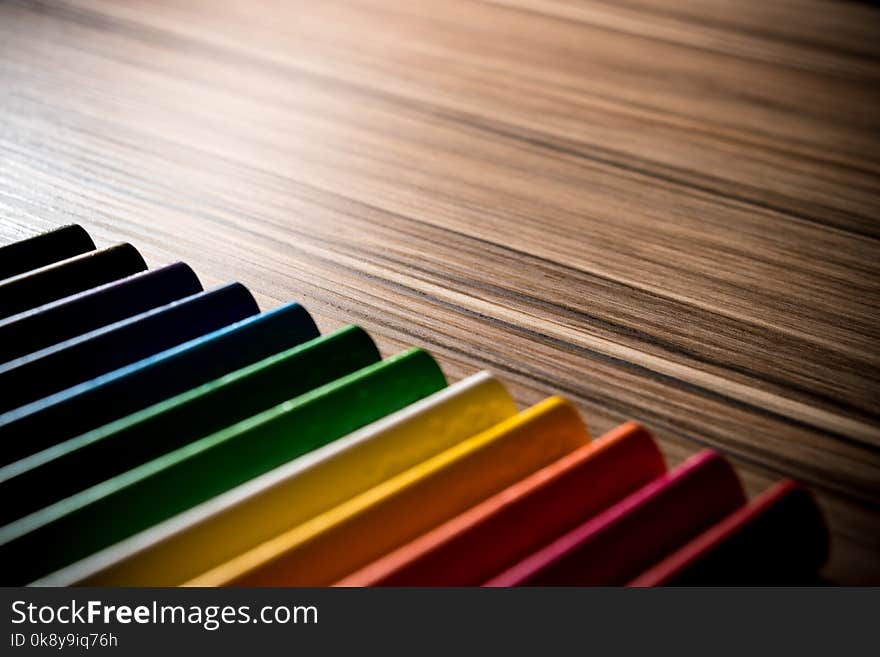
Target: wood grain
[(665, 211)]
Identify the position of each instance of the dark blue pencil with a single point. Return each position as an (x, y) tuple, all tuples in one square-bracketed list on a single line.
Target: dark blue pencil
[(61, 279), (103, 350), (80, 313)]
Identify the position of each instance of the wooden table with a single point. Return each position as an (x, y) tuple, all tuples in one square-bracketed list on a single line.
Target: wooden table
[(665, 211)]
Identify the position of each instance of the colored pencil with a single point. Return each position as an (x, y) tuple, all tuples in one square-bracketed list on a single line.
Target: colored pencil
[(44, 249), (619, 543), (345, 538), (497, 533), (32, 428), (103, 350), (99, 516), (61, 279), (76, 464), (778, 539), (211, 533), (80, 313)]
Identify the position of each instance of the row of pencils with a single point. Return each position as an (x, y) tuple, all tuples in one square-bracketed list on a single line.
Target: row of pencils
[(157, 434)]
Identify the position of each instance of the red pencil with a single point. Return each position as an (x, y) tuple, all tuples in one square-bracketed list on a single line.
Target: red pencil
[(780, 539), (638, 531)]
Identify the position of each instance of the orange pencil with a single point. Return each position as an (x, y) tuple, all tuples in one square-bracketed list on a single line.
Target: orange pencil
[(484, 540), (327, 548)]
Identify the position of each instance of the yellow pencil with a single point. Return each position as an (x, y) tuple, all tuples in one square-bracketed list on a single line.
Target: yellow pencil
[(328, 547), (224, 527)]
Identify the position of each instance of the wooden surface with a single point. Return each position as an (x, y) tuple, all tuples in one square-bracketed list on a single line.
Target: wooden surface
[(665, 211)]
